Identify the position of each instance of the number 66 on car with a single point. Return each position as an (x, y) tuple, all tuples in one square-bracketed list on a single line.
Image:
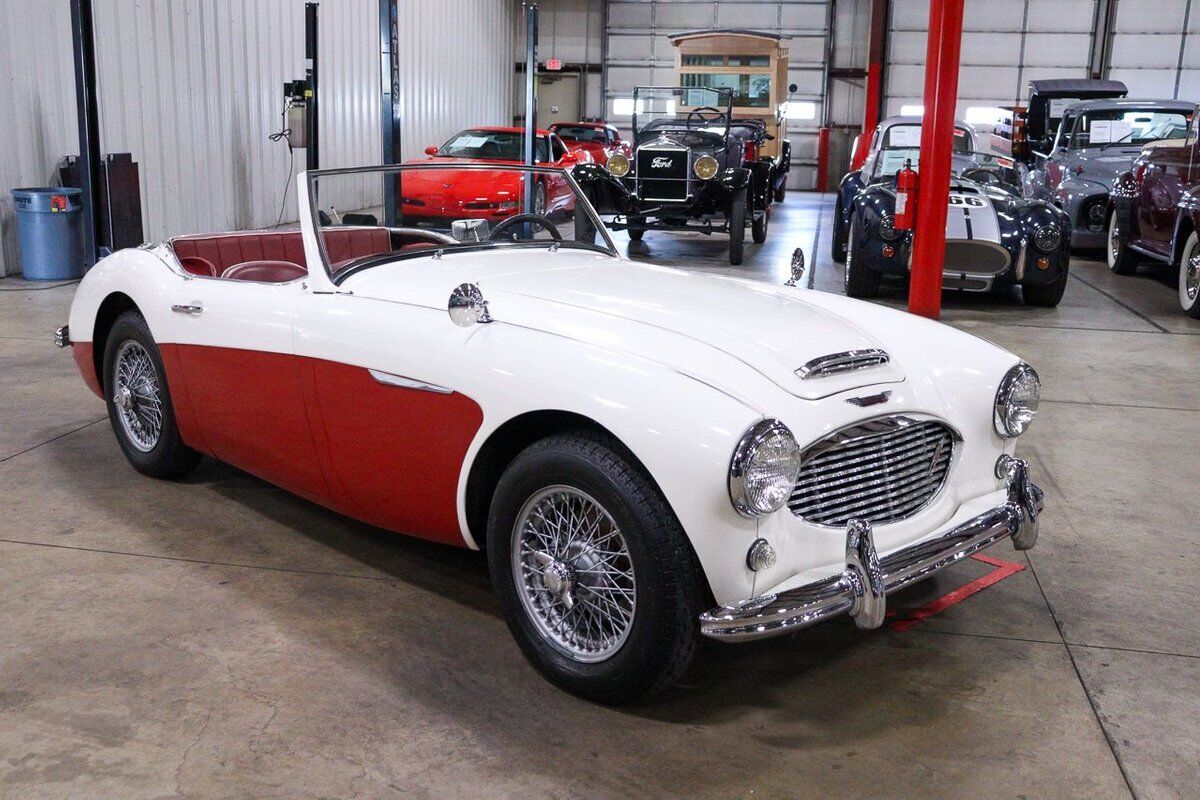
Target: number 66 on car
[(646, 455)]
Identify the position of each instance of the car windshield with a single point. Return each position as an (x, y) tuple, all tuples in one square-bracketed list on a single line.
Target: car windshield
[(488, 145), (675, 107), (1127, 126), (986, 168), (908, 134), (369, 216), (579, 133)]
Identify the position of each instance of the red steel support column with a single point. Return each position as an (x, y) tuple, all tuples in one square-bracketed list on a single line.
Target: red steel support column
[(937, 131), (875, 57), (823, 160)]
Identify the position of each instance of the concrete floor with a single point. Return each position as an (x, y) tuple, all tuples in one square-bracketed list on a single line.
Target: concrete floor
[(220, 638)]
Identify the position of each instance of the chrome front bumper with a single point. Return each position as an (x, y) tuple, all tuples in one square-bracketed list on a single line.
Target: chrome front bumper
[(862, 588)]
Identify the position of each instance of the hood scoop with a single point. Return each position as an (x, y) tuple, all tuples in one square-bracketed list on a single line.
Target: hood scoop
[(841, 363)]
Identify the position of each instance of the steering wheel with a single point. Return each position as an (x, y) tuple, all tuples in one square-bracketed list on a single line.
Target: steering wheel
[(516, 219), (698, 113), (981, 175)]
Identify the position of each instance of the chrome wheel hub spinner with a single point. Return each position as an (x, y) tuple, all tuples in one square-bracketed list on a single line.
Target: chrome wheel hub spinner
[(573, 573), (1191, 279)]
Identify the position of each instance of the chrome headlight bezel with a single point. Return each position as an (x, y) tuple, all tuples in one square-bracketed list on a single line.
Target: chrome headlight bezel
[(753, 501), (710, 169), (1047, 238), (1016, 401), (618, 165)]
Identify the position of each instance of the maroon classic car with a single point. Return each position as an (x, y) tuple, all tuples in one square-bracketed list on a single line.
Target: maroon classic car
[(598, 139), (1156, 214)]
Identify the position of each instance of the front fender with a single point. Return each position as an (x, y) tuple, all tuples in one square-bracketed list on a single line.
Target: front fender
[(604, 190)]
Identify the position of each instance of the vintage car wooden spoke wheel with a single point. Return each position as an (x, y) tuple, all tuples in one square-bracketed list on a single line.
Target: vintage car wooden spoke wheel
[(574, 572)]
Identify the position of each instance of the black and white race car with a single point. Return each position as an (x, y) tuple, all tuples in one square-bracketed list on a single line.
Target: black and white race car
[(995, 237)]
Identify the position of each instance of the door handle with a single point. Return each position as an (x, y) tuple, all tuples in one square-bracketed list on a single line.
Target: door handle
[(193, 309)]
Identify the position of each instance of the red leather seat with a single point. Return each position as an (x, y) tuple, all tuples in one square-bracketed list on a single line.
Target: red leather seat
[(198, 266), (224, 250), (265, 271)]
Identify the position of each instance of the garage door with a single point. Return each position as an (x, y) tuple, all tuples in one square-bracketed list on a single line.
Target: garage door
[(1150, 52), (639, 53), (1005, 45)]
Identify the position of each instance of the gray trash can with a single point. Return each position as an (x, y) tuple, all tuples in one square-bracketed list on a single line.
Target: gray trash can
[(50, 232)]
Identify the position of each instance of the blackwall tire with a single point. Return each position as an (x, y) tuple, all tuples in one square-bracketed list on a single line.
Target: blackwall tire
[(1121, 260), (758, 228), (1189, 277), (737, 227), (838, 243), (654, 628), (861, 282), (139, 402), (1047, 295)]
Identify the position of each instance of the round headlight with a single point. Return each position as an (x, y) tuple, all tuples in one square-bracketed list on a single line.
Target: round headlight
[(705, 167), (764, 469), (1017, 400), (887, 229), (618, 165), (1047, 238)]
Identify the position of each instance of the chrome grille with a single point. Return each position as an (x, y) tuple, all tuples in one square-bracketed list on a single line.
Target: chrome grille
[(882, 471)]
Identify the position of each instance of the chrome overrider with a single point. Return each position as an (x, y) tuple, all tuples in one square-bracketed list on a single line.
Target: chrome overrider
[(862, 588)]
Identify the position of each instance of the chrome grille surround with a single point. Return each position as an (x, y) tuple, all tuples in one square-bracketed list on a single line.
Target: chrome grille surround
[(837, 363), (881, 470)]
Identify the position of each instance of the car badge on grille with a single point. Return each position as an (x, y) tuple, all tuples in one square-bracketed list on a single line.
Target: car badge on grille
[(869, 400), (660, 162)]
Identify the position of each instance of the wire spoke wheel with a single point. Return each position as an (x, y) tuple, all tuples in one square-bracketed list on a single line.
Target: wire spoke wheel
[(574, 573), (137, 396)]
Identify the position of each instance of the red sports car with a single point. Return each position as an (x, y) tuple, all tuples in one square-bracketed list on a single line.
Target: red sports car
[(436, 196), (598, 139)]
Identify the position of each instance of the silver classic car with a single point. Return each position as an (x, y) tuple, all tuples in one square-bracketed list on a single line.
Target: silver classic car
[(1097, 140)]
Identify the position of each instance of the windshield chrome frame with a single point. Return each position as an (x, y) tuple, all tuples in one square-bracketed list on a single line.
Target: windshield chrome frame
[(312, 177), (726, 94)]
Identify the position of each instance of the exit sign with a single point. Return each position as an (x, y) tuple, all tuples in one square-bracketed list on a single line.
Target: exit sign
[(553, 64)]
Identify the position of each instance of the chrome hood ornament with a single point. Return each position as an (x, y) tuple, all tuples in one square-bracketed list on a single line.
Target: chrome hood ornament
[(797, 268)]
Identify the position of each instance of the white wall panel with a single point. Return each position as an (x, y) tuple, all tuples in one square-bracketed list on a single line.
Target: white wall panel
[(192, 88)]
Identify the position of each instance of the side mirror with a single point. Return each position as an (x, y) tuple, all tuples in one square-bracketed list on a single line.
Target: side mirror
[(467, 306), (431, 150), (568, 159), (797, 267)]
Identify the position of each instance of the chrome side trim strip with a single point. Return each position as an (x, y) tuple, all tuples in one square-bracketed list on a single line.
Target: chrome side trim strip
[(389, 379), (839, 363), (862, 587)]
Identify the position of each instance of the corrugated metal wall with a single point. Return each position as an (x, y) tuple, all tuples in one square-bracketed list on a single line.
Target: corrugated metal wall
[(193, 88)]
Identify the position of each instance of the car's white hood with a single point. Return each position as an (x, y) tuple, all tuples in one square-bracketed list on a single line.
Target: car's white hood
[(772, 330), (664, 314)]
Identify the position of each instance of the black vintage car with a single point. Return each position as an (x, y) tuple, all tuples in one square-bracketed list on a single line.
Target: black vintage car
[(694, 167)]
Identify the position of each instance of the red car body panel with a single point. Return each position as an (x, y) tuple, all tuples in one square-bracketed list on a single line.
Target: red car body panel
[(325, 431), (438, 195), (599, 151)]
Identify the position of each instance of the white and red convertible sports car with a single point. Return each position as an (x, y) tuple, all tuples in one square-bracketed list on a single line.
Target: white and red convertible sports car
[(647, 455)]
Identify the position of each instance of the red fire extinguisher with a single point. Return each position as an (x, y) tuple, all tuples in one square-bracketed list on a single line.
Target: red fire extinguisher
[(906, 198)]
